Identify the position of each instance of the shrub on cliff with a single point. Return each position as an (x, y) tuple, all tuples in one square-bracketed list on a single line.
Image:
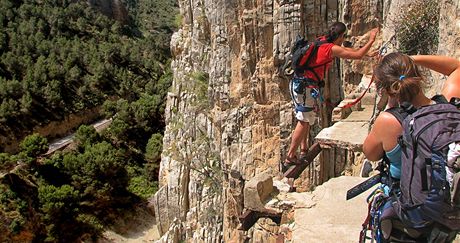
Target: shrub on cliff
[(154, 148), (418, 27), (6, 161)]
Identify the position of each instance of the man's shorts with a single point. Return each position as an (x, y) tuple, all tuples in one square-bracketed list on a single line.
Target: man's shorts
[(306, 100)]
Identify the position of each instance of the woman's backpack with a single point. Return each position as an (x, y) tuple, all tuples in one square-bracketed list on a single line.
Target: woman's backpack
[(425, 196), (300, 56)]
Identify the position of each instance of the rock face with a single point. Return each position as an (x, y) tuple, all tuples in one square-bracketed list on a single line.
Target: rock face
[(229, 113)]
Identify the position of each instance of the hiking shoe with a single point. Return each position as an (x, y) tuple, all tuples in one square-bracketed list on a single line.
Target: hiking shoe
[(303, 154), (288, 162), (366, 168)]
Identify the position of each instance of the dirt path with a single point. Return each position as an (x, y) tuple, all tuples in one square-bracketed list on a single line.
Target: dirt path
[(138, 226)]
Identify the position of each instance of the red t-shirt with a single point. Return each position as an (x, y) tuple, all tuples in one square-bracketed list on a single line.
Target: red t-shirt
[(324, 55)]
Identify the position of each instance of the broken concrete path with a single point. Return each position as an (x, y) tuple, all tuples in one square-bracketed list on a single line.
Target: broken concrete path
[(325, 216)]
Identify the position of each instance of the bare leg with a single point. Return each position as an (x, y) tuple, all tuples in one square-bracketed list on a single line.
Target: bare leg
[(299, 136), (304, 142)]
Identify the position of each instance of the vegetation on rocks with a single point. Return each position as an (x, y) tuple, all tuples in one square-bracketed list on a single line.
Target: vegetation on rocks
[(418, 27), (61, 57)]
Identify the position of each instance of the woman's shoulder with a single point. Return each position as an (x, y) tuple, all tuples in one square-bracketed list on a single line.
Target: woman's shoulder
[(387, 122), (387, 117), (326, 49)]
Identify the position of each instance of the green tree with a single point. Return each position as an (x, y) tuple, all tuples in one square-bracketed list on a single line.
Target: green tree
[(60, 206), (61, 57), (154, 148), (98, 173), (5, 160), (146, 110), (34, 145), (86, 136)]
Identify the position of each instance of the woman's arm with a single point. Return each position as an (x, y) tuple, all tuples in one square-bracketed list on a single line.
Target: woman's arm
[(441, 64), (348, 53), (447, 66), (383, 136), (373, 146), (452, 85)]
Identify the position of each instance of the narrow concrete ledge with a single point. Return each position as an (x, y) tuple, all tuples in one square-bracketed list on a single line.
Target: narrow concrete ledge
[(347, 135), (364, 115)]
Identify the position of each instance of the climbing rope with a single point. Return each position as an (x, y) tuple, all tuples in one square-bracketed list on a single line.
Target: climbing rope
[(378, 197), (375, 201), (382, 52)]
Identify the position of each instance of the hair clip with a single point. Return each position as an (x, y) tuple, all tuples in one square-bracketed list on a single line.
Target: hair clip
[(402, 77)]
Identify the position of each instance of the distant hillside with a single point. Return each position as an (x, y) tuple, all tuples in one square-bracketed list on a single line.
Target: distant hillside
[(63, 57)]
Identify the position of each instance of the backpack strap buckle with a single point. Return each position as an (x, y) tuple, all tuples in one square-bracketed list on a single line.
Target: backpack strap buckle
[(408, 107), (455, 101)]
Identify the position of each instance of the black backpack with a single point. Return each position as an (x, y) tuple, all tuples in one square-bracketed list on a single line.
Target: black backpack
[(302, 52), (425, 197)]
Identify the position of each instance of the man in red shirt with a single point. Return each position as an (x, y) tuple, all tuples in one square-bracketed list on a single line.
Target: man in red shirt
[(321, 63)]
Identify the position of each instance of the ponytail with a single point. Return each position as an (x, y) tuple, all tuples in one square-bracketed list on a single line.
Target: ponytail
[(399, 76), (406, 89)]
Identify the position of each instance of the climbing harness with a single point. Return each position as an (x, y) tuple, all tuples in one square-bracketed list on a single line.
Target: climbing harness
[(300, 85), (301, 56), (376, 201)]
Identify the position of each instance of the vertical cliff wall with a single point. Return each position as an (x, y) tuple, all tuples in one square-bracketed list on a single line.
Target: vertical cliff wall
[(229, 113)]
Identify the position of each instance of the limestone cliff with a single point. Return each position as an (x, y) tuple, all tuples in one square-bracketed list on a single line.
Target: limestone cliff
[(229, 113)]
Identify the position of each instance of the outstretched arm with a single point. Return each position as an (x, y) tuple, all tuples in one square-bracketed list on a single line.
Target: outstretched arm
[(348, 53), (447, 66)]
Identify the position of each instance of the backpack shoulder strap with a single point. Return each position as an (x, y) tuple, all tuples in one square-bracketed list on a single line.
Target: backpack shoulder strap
[(439, 99), (316, 44), (399, 113), (314, 52)]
